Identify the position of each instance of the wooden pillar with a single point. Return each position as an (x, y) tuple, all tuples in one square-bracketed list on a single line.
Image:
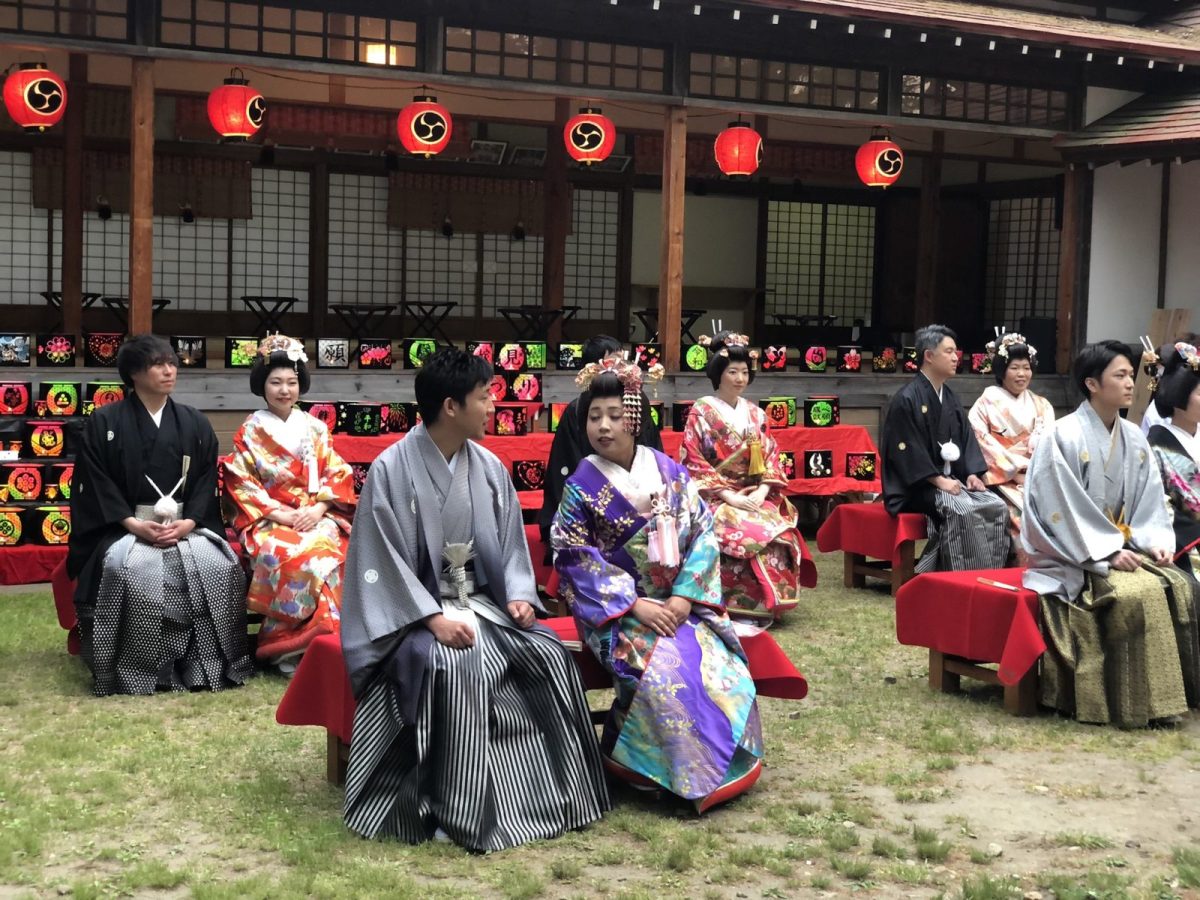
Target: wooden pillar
[(925, 305), (141, 198), (557, 217), (318, 247), (670, 259), (1074, 245), (72, 217), (1164, 232)]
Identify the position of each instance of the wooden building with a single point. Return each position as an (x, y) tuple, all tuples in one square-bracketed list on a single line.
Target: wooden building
[(1048, 179)]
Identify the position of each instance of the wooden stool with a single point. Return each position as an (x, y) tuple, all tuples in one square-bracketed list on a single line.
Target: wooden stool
[(1020, 699), (875, 543)]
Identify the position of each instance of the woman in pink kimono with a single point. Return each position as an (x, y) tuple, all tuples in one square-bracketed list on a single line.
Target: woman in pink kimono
[(732, 457), (1009, 419), (290, 498)]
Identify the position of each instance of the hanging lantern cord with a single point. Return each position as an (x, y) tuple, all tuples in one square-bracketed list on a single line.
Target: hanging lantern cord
[(236, 72)]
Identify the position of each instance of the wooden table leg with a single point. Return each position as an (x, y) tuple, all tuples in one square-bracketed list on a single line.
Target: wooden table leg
[(852, 577), (1021, 699), (939, 678), (902, 569)]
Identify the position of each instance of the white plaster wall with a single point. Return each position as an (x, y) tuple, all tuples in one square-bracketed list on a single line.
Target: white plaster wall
[(1123, 280), (1183, 262), (719, 240)]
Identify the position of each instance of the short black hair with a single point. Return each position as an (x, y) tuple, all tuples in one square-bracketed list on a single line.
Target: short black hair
[(1175, 386), (718, 362), (930, 338), (1001, 362), (1094, 359), (262, 369), (140, 352), (599, 346), (449, 373)]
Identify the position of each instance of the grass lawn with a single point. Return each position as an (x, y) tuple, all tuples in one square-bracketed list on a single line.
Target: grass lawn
[(873, 785)]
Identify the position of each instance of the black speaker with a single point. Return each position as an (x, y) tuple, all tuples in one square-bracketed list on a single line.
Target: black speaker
[(1042, 332)]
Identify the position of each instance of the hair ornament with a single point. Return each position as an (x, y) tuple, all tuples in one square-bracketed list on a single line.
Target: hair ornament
[(631, 377), (281, 343), (1191, 357), (1004, 342)]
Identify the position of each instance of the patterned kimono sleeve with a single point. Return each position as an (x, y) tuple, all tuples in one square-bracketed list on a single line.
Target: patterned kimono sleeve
[(699, 576), (1001, 469), (770, 448), (698, 437), (336, 486), (1182, 486), (596, 589), (246, 499)]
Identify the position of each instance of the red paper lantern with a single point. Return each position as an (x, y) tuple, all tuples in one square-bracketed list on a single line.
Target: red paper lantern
[(235, 109), (589, 136), (424, 126), (738, 150), (879, 161), (36, 98)]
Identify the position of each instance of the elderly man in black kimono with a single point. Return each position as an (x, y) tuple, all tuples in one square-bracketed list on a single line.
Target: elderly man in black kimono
[(932, 465), (570, 444), (161, 598)]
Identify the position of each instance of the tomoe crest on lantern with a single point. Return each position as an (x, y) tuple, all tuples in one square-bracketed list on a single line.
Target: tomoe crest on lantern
[(738, 150), (879, 161), (35, 97), (235, 110), (424, 126), (589, 136)]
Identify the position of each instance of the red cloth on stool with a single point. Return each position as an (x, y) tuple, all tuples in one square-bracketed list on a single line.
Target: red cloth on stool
[(64, 604), (956, 614), (29, 563), (319, 693), (869, 529)]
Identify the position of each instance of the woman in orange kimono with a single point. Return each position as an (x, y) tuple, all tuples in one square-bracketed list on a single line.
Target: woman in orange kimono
[(729, 453), (290, 498)]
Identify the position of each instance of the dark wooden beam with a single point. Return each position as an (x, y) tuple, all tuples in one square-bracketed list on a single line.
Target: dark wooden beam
[(670, 260), (1074, 244), (141, 199), (72, 214), (318, 248), (925, 305), (1164, 228), (623, 311), (557, 216)]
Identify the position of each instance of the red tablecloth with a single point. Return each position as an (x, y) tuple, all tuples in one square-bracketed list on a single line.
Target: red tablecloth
[(319, 694), (956, 614), (867, 528), (29, 563), (840, 440)]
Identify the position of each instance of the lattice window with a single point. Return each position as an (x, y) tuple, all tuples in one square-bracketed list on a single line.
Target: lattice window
[(106, 254), (592, 256), (191, 263), (366, 258), (32, 250), (528, 57), (512, 272), (106, 20), (270, 251), (975, 101), (789, 83), (440, 268), (251, 27), (820, 260), (1022, 259)]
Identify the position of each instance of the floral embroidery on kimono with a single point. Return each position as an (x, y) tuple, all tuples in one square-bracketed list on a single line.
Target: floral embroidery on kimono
[(764, 559), (295, 579), (1008, 430)]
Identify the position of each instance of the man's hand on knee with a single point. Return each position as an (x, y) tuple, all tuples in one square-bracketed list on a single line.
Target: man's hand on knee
[(521, 612), (459, 635)]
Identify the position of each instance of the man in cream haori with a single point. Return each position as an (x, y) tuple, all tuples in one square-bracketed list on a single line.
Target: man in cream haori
[(471, 723), (1119, 619)]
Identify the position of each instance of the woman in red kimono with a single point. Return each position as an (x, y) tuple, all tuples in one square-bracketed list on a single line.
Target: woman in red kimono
[(290, 498), (733, 458)]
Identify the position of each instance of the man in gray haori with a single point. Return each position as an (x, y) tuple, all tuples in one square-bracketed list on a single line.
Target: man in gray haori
[(472, 722), (1119, 619)]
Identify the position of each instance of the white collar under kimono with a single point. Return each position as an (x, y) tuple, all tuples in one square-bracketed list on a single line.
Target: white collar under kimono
[(639, 484), (1189, 442), (937, 391), (289, 433), (737, 416)]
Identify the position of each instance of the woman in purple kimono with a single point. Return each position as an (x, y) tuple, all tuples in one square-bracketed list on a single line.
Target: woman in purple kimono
[(640, 569)]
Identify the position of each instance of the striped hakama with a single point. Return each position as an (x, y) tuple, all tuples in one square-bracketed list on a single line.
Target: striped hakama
[(970, 531)]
